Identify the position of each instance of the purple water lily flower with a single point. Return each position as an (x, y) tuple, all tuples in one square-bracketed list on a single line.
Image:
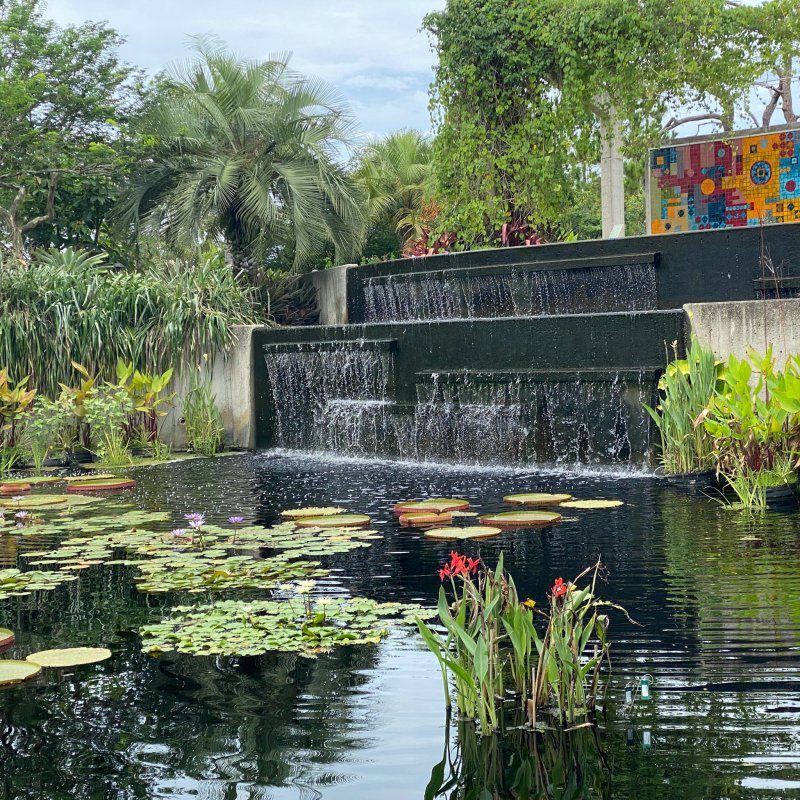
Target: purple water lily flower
[(236, 520), (195, 517), (179, 532), (17, 497), (21, 514)]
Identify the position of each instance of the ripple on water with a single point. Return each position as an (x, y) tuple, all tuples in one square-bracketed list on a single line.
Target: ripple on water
[(717, 599)]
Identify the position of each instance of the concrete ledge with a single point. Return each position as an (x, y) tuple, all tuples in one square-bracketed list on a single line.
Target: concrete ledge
[(729, 328), (231, 376), (331, 286)]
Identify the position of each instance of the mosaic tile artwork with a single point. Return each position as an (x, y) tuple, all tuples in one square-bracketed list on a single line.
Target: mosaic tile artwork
[(729, 183)]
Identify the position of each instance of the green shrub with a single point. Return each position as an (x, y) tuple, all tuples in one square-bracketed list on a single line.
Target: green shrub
[(66, 307)]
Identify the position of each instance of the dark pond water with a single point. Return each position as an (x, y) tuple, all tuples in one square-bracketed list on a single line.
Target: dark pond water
[(718, 599)]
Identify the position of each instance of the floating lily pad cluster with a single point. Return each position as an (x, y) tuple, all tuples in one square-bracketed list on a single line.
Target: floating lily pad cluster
[(190, 572), (249, 629), (15, 583), (301, 542)]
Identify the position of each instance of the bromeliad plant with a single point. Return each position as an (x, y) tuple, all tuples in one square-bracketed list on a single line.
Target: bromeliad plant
[(492, 645), (14, 400)]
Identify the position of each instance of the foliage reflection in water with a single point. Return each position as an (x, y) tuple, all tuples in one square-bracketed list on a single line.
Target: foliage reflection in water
[(718, 599)]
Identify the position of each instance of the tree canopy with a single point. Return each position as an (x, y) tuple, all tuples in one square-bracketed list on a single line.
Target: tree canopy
[(397, 173), (250, 152), (66, 106), (523, 87)]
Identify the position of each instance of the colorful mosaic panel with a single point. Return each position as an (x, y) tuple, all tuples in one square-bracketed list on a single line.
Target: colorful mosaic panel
[(725, 184)]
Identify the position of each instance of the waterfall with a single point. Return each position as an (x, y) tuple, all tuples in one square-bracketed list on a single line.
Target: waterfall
[(516, 293), (331, 396), (338, 397)]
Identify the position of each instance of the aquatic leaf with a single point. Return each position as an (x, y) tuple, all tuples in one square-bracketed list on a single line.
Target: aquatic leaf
[(238, 628), (337, 521), (521, 519), (7, 638), (69, 656), (438, 505), (14, 488), (14, 581), (431, 518), (537, 499), (35, 480), (102, 485), (473, 532), (17, 671), (73, 479), (34, 502), (323, 511), (593, 504)]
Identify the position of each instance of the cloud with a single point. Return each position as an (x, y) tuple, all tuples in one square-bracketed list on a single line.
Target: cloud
[(373, 52)]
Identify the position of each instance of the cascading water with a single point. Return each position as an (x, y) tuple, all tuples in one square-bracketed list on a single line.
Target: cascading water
[(337, 397), (331, 396), (434, 296), (590, 419)]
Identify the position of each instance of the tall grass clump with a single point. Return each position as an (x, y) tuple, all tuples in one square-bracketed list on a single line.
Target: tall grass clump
[(67, 307), (685, 391)]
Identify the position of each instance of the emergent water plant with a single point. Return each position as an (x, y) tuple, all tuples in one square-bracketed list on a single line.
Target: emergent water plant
[(491, 645), (685, 389)]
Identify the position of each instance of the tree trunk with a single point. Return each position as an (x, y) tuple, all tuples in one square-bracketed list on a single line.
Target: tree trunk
[(240, 260)]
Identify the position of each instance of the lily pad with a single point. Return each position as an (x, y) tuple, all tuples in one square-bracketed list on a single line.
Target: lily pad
[(472, 532), (537, 499), (322, 511), (69, 656), (37, 480), (335, 521), (301, 624), (15, 583), (91, 477), (102, 485), (7, 638), (35, 502), (413, 520), (521, 519), (14, 488), (436, 505), (17, 671), (593, 504)]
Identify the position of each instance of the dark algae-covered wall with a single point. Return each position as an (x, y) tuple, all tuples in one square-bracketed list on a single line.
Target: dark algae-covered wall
[(524, 355)]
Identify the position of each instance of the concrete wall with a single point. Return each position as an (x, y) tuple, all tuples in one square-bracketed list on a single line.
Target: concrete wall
[(331, 286), (729, 328), (232, 384)]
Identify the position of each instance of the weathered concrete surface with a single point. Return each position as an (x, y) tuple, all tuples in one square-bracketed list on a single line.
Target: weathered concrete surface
[(231, 376), (732, 327), (331, 286)]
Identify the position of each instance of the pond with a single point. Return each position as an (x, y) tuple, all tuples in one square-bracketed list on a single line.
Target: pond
[(717, 598)]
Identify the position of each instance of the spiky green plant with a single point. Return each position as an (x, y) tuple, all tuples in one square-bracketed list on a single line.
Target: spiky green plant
[(62, 311)]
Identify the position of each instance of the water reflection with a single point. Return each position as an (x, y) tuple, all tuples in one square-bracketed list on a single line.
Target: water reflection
[(521, 765), (718, 599)]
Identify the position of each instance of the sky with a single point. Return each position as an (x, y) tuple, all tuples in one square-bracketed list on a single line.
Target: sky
[(372, 51)]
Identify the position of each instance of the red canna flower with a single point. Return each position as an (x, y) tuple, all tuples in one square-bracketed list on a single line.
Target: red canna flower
[(459, 565), (559, 588)]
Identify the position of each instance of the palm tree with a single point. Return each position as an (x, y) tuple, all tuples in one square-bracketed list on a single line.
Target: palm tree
[(249, 152), (397, 173)]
